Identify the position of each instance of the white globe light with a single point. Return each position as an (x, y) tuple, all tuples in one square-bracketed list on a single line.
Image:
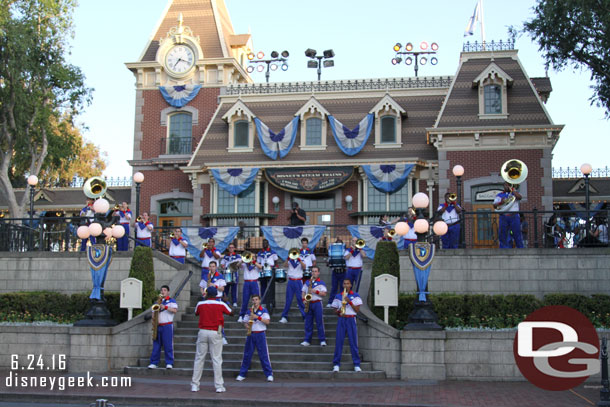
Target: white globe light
[(108, 232), (402, 228), (440, 228), (458, 170), (138, 177), (95, 229), (32, 180), (83, 232), (421, 226), (586, 169), (275, 200), (349, 199), (118, 231), (101, 206), (420, 200)]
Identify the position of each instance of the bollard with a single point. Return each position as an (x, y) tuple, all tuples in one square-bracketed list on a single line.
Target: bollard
[(604, 393)]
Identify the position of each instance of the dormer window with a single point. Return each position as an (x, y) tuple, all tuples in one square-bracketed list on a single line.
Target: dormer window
[(313, 129), (493, 83), (313, 125), (241, 128), (388, 123)]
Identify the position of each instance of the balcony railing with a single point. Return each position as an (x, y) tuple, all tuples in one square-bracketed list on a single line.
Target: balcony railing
[(488, 46), (176, 146), (574, 172)]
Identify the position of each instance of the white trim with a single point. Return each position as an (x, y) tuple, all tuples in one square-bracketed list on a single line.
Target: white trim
[(240, 109), (154, 200), (168, 111), (303, 131), (221, 37)]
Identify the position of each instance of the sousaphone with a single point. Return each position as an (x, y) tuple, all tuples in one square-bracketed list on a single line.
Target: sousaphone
[(514, 172), (95, 187)]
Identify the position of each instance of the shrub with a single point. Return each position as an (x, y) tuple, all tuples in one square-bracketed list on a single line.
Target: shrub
[(142, 269)]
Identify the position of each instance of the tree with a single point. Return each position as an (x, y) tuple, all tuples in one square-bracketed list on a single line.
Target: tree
[(575, 32), (37, 87)]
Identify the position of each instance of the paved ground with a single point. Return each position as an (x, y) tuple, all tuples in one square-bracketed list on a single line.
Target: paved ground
[(174, 391)]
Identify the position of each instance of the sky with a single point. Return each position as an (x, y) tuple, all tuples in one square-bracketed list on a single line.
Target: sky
[(362, 33)]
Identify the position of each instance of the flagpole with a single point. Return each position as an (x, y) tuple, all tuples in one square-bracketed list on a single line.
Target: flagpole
[(482, 24)]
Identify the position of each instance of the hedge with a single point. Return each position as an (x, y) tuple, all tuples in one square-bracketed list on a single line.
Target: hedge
[(33, 306), (142, 268), (498, 311)]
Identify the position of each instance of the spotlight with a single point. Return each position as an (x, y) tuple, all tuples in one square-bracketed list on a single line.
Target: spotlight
[(310, 53), (274, 54), (250, 56), (423, 60), (409, 47), (284, 66), (312, 64), (329, 53), (397, 47), (260, 55), (433, 61), (250, 69), (396, 61), (285, 54), (260, 68), (409, 61), (434, 46), (329, 63), (423, 45), (273, 67)]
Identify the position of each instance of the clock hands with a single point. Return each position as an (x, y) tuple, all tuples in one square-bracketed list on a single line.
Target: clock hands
[(177, 62)]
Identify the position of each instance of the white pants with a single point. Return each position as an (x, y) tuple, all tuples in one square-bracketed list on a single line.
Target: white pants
[(211, 340)]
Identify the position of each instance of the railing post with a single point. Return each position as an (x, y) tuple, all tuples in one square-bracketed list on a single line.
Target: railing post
[(40, 235), (536, 243)]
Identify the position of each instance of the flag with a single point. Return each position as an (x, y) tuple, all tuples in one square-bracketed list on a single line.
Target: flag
[(352, 141), (277, 145), (283, 238), (234, 180), (476, 16)]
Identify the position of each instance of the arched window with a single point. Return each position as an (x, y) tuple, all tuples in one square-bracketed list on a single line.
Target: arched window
[(180, 133)]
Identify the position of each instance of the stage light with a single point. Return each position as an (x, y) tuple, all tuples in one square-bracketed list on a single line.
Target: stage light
[(423, 45), (434, 46), (260, 55), (312, 64), (250, 56), (284, 66), (433, 61), (260, 68), (250, 69), (329, 53), (423, 60), (273, 67), (310, 53), (409, 61), (397, 47), (285, 54), (274, 54), (329, 63), (409, 47)]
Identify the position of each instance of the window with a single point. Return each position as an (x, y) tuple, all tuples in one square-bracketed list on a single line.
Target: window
[(380, 201), (314, 132), (176, 207), (241, 134), (324, 204), (242, 203), (493, 99), (180, 133), (376, 199), (388, 129)]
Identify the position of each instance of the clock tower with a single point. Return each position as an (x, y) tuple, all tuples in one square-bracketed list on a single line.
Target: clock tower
[(192, 53)]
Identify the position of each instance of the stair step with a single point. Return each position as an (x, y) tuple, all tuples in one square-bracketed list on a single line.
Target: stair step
[(315, 348), (275, 357), (256, 365), (271, 340)]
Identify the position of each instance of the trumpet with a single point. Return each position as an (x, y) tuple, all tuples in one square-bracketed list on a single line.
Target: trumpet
[(139, 219), (247, 257), (360, 243), (411, 213), (204, 246), (293, 253), (392, 232), (343, 302), (117, 207), (171, 235), (452, 198)]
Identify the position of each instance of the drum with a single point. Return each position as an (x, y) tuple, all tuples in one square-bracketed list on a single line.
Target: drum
[(230, 278), (280, 275), (266, 273), (307, 272), (335, 255)]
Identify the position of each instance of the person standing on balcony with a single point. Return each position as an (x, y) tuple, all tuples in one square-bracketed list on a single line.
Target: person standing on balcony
[(88, 213), (450, 214), (124, 214), (509, 219), (298, 216), (177, 246), (144, 230)]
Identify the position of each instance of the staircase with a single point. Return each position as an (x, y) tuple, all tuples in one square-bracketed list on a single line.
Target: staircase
[(288, 358)]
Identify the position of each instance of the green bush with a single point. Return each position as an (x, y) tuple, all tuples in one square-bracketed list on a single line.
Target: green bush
[(142, 268), (497, 311), (51, 306), (386, 261)]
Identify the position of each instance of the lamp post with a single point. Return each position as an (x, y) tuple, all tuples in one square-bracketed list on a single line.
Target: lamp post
[(272, 64), (326, 55), (414, 56), (458, 171), (138, 178), (421, 255), (586, 170), (276, 203), (348, 201), (32, 182)]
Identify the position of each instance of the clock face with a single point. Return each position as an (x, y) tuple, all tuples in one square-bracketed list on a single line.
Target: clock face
[(180, 59)]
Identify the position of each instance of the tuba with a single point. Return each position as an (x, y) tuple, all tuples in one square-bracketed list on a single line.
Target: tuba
[(95, 187), (360, 243), (155, 317), (293, 253), (514, 172)]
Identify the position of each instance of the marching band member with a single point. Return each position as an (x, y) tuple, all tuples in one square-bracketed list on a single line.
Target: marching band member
[(268, 257), (318, 290), (347, 324), (353, 260), (257, 339), (338, 275), (509, 220), (89, 213), (231, 257), (307, 255), (294, 286), (177, 247), (450, 213), (211, 321), (216, 280), (165, 331), (207, 255), (411, 236), (124, 214), (144, 231), (251, 272)]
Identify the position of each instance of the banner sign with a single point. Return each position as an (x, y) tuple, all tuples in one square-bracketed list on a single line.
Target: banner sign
[(308, 180)]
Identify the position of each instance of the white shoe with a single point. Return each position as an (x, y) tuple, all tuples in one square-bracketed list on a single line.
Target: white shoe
[(169, 366), (240, 378), (194, 387), (323, 343), (240, 319), (269, 378), (221, 390), (283, 320), (336, 368), (305, 343), (235, 304), (224, 341), (152, 366), (357, 369), (329, 306)]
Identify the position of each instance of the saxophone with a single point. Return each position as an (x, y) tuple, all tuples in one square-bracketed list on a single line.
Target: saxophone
[(308, 295), (155, 317), (343, 302), (250, 322)]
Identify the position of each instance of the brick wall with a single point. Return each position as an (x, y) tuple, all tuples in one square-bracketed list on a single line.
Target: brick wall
[(160, 182)]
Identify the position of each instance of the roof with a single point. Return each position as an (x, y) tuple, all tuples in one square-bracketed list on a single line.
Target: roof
[(573, 190), (349, 108), (68, 198), (208, 19)]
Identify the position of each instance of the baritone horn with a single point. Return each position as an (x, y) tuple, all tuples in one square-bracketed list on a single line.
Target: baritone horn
[(360, 243), (95, 187), (293, 253)]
